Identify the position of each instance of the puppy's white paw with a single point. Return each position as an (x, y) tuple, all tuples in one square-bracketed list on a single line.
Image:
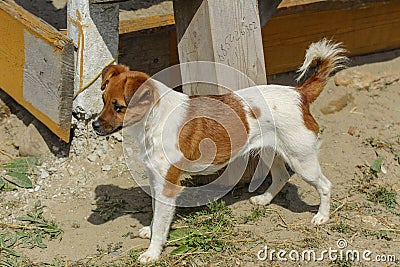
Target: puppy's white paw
[(319, 219), (260, 200), (148, 257), (145, 232)]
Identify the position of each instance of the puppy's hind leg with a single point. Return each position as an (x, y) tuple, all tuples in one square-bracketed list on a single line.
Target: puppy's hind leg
[(280, 176), (309, 169)]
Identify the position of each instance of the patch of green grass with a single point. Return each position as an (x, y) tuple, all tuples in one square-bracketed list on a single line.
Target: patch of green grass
[(340, 227), (343, 263), (207, 230), (30, 232), (380, 144), (256, 213), (12, 261), (111, 248), (381, 195), (311, 242), (377, 143), (17, 173), (129, 234), (369, 174), (107, 207), (396, 154), (380, 234)]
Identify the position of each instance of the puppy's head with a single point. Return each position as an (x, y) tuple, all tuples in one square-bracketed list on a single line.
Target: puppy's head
[(127, 97)]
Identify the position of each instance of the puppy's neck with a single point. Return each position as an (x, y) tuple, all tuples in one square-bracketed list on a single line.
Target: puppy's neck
[(167, 112)]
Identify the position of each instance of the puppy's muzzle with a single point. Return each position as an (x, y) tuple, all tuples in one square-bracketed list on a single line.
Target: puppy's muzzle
[(102, 128), (98, 127)]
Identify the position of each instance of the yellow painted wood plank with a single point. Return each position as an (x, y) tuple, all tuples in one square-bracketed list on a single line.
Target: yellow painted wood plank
[(369, 28), (16, 24), (146, 23)]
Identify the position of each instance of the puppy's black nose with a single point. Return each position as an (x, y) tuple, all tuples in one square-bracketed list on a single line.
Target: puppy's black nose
[(96, 124)]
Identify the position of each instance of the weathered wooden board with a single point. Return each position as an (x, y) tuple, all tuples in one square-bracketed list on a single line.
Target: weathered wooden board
[(364, 26), (220, 31), (36, 67)]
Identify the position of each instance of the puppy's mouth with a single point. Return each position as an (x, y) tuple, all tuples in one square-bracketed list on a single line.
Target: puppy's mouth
[(102, 132)]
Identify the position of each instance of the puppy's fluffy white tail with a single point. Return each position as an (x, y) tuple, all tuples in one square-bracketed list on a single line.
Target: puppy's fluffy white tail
[(329, 57)]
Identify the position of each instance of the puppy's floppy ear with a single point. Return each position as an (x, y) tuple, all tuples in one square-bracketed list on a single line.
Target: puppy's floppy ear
[(134, 81), (110, 71)]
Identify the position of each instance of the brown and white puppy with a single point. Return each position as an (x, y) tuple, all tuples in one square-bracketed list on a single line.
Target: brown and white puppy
[(208, 132)]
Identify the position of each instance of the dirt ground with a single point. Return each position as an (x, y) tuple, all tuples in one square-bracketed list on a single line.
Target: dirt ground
[(94, 199)]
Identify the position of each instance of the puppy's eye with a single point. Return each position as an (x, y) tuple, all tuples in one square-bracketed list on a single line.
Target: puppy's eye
[(118, 108), (104, 85)]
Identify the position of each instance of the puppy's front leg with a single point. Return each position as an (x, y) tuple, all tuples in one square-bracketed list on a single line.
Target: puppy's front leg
[(164, 208)]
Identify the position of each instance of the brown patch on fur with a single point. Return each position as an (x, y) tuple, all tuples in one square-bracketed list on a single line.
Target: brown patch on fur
[(172, 184), (311, 89), (110, 71), (308, 119), (220, 135)]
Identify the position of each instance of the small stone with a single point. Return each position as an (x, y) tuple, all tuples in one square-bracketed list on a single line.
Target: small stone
[(52, 170), (92, 157), (37, 188), (99, 153), (351, 131), (44, 174), (117, 136), (337, 105), (370, 221), (106, 168), (30, 190), (75, 225)]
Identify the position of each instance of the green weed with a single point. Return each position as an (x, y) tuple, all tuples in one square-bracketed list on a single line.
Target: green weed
[(381, 195), (256, 213), (340, 228), (208, 230), (380, 234), (107, 207), (17, 173), (111, 247), (30, 232)]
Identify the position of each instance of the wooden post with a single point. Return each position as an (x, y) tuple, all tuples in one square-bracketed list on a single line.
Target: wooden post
[(93, 26), (222, 31)]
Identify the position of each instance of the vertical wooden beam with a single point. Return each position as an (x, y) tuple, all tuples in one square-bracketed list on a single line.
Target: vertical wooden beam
[(93, 26), (222, 31), (226, 32)]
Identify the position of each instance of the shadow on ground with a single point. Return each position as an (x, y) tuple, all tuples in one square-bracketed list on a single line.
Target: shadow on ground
[(113, 201)]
